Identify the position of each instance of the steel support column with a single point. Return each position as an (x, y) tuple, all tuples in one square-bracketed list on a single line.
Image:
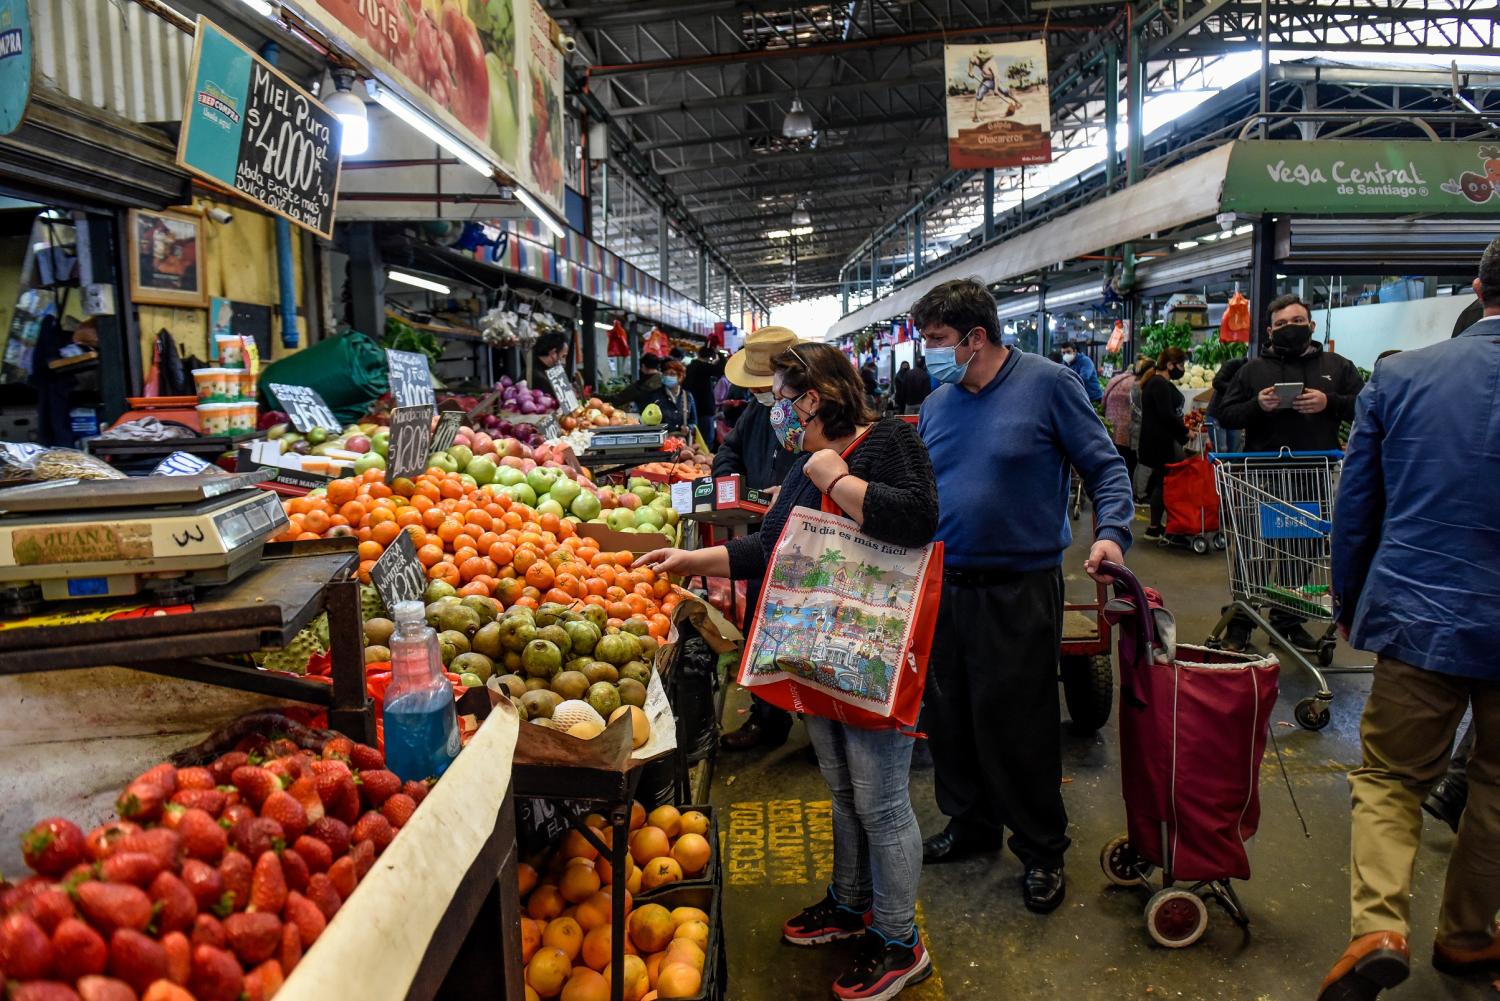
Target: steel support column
[(664, 271), (989, 205), (1111, 115), (1262, 276)]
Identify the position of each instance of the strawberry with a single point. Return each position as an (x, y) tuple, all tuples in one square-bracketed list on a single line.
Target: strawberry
[(177, 905), (285, 747), (363, 756), (268, 887), (158, 842), (135, 868), (416, 790), (203, 881), (141, 801), (208, 930), (210, 801), (305, 792), (237, 871), (291, 948), (201, 837), (347, 808), (295, 870), (315, 853), (304, 914), (12, 897), (236, 813), (179, 957), (332, 832), (320, 891), (343, 877), (223, 768), (338, 747), (25, 951), (329, 783), (75, 877), (101, 840), (104, 989), (264, 981), (363, 854), (78, 950), (216, 975), (373, 827), (281, 807), (49, 908), (171, 815), (253, 937), (196, 777), (53, 846), (136, 959), (164, 776), (112, 906), (376, 786), (165, 990), (398, 809), (257, 836), (254, 783), (43, 990)]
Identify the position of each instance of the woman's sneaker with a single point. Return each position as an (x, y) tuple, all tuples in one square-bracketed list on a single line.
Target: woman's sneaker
[(826, 921), (882, 969)]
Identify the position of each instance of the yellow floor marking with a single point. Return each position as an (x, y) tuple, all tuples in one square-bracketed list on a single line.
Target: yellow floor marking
[(930, 989)]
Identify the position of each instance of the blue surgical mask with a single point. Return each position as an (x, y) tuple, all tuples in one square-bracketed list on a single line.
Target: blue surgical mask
[(670, 381), (943, 366), (786, 423)]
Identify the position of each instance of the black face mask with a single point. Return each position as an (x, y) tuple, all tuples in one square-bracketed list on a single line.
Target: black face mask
[(1292, 339), (1176, 373)]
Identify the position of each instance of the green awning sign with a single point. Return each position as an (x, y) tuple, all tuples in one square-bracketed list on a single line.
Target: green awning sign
[(15, 63), (1363, 177)]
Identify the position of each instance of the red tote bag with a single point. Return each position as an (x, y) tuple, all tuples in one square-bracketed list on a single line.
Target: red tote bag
[(844, 626)]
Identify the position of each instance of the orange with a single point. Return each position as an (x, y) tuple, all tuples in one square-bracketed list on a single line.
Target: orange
[(353, 510), (692, 853), (547, 971), (539, 575), (502, 553), (593, 913), (653, 966), (446, 572), (683, 950), (649, 843), (370, 550), (579, 881), (546, 902), (585, 985), (471, 568), (680, 915), (525, 879), (650, 927), (634, 977), (523, 560), (692, 822), (480, 518), (564, 935), (365, 567), (595, 952), (385, 533), (449, 530), (667, 818), (695, 932), (317, 521), (341, 492), (660, 872), (531, 938), (463, 540), (429, 556), (678, 980), (575, 845), (637, 815), (558, 596)]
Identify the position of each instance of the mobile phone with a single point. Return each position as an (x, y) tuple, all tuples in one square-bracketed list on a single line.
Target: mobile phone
[(1287, 391)]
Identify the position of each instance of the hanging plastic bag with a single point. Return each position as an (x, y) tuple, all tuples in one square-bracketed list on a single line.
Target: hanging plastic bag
[(1117, 337), (657, 344), (1235, 327), (619, 342)]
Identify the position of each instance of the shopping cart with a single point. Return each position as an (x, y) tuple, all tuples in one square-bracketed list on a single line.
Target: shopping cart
[(1277, 511)]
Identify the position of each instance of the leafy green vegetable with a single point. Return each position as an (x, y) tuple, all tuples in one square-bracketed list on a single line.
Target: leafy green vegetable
[(402, 336)]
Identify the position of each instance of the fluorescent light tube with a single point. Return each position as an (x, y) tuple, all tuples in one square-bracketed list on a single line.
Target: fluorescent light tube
[(413, 280), (430, 129), (535, 207)]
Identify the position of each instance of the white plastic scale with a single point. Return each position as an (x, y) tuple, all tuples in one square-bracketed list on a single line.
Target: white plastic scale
[(80, 539)]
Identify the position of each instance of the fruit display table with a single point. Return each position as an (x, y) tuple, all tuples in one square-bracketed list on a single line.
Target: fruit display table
[(264, 608)]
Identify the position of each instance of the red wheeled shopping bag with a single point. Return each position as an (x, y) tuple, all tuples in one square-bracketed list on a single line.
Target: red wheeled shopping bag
[(844, 626), (1190, 497)]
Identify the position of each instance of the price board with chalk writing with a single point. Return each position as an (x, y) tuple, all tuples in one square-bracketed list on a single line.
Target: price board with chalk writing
[(411, 379), (398, 575), (562, 388), (410, 442), (304, 407), (448, 424)]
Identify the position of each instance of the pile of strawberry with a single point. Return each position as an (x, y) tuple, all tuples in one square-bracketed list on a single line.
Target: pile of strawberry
[(212, 883)]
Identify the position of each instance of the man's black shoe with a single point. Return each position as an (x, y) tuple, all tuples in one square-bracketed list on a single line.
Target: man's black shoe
[(1446, 802), (1237, 637), (950, 846), (1154, 532), (1043, 889), (752, 735), (1298, 638)]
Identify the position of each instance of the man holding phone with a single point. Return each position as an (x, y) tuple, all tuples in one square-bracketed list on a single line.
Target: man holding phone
[(1295, 395)]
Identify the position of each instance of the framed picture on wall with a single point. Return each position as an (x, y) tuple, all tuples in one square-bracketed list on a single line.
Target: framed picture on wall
[(167, 258)]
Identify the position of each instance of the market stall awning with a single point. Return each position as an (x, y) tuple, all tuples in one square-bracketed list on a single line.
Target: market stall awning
[(1174, 197)]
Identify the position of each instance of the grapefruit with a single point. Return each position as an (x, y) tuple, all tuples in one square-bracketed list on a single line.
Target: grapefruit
[(693, 822), (525, 879), (585, 985), (547, 971), (682, 951), (651, 928), (678, 980), (691, 852), (546, 903), (637, 815), (564, 935), (531, 939), (575, 845), (681, 914), (660, 872), (595, 953), (649, 843), (695, 932), (579, 881), (634, 977), (667, 818)]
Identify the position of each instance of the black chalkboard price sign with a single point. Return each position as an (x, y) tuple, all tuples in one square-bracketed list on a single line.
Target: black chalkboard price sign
[(449, 421), (398, 575), (410, 443), (304, 407), (411, 379)]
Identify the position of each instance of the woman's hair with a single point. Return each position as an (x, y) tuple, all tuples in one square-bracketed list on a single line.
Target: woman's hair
[(674, 367), (842, 405), (1164, 361)]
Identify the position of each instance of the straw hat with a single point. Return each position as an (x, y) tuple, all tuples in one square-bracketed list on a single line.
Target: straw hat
[(750, 367)]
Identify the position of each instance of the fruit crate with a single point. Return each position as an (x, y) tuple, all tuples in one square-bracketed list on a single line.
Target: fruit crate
[(712, 877), (707, 899)]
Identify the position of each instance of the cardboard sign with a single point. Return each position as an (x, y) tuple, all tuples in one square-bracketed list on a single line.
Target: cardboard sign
[(251, 129), (411, 436), (183, 464), (304, 407), (410, 378), (448, 424), (562, 388), (398, 574)]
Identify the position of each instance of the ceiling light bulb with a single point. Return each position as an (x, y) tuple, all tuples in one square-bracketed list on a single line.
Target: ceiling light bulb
[(418, 282), (801, 217), (798, 123), (354, 119)]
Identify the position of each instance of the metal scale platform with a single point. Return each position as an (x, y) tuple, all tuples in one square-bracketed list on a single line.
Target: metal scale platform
[(164, 535)]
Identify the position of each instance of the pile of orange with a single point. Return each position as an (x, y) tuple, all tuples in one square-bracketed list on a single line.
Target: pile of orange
[(565, 933), (481, 542)]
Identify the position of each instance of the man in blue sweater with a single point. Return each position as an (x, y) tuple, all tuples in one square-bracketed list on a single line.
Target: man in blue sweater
[(1416, 580), (1083, 367), (1004, 435)]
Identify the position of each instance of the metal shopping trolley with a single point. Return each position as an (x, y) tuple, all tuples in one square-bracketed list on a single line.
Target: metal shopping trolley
[(1277, 512)]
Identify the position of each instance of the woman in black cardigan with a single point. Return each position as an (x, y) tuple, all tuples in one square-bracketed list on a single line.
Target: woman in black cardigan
[(887, 487)]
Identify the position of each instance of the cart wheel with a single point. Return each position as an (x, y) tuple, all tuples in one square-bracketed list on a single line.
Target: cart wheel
[(1121, 865), (1199, 544), (1220, 543), (1312, 714), (1089, 690), (1176, 918), (1325, 654)]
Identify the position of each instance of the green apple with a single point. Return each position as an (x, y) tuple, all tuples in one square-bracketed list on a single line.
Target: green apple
[(443, 461), (317, 436), (482, 469), (462, 454), (541, 479), (522, 494), (646, 493), (550, 506), (380, 442), (648, 517), (368, 461), (585, 506), (509, 476), (621, 518), (565, 491)]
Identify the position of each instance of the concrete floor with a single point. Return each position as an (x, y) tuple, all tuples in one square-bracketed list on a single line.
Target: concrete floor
[(985, 945)]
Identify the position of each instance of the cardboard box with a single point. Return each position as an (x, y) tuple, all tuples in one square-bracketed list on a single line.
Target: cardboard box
[(635, 542)]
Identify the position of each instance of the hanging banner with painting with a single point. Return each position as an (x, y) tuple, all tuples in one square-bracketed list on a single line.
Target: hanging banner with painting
[(999, 111), (543, 107)]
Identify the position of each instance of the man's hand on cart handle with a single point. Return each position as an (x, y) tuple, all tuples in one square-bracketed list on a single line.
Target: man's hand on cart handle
[(1103, 550)]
